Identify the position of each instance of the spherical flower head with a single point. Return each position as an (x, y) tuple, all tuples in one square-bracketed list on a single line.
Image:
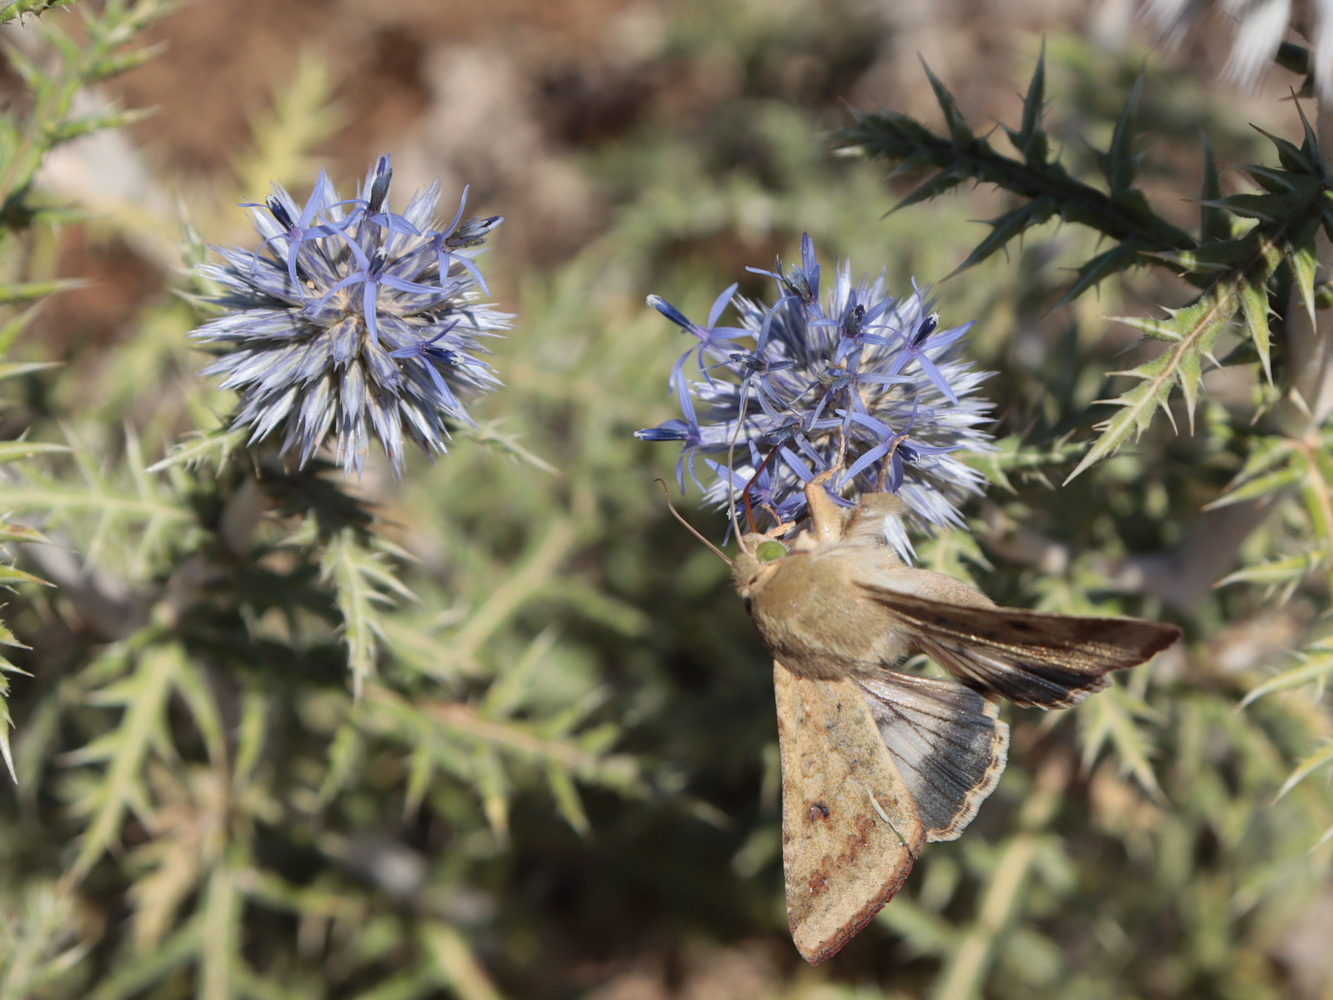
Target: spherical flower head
[(857, 381), (350, 321)]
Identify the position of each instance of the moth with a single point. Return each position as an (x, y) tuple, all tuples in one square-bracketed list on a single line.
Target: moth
[(877, 762)]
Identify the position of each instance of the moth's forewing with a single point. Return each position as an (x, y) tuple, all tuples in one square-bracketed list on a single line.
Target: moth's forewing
[(1046, 661), (946, 742), (850, 829)]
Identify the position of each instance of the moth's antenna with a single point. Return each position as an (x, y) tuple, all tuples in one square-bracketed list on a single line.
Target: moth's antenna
[(731, 464), (689, 527)]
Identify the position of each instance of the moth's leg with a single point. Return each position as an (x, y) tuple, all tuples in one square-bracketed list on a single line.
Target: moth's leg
[(826, 517), (887, 461)]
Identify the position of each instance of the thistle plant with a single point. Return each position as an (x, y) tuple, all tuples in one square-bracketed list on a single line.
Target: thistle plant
[(858, 381), (261, 750), (350, 321)]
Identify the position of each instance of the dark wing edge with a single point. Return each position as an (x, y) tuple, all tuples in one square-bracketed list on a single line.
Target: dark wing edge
[(1034, 659), (946, 741)]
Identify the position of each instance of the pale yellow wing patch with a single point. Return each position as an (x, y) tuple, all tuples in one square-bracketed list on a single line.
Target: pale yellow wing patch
[(850, 830)]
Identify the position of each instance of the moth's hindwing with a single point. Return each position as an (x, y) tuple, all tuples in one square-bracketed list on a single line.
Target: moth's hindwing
[(850, 829), (946, 742)]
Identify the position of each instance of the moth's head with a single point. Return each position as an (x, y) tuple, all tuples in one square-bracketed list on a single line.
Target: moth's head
[(757, 560)]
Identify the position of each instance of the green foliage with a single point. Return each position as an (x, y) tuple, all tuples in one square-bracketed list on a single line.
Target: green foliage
[(500, 729), (1236, 264), (53, 120), (53, 86), (15, 8), (1254, 261)]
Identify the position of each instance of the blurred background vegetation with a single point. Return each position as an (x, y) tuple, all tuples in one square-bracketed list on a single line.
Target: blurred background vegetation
[(560, 778)]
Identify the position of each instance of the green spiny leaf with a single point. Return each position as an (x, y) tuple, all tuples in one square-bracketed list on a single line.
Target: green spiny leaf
[(1316, 669), (115, 65), (1270, 462), (506, 694), (1093, 272), (1249, 205), (1272, 180), (1293, 158), (77, 128), (420, 770), (1006, 227), (1317, 493), (1277, 571), (1030, 138), (6, 720), (1136, 412), (17, 7), (490, 435), (1323, 757), (11, 294), (1254, 311), (11, 577), (1110, 720), (1303, 259), (1118, 163), (393, 715), (12, 451), (145, 694), (249, 736), (1214, 223), (1193, 331), (493, 789), (220, 956), (362, 585), (1158, 329), (216, 447), (1219, 256), (959, 131), (13, 326), (567, 800), (345, 756), (942, 183)]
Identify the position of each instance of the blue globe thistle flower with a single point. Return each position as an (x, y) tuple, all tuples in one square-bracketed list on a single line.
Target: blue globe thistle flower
[(350, 321), (859, 381)]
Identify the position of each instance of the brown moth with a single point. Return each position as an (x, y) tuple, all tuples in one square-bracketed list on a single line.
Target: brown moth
[(877, 762)]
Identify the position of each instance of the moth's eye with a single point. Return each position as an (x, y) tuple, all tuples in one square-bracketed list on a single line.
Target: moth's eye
[(770, 551)]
